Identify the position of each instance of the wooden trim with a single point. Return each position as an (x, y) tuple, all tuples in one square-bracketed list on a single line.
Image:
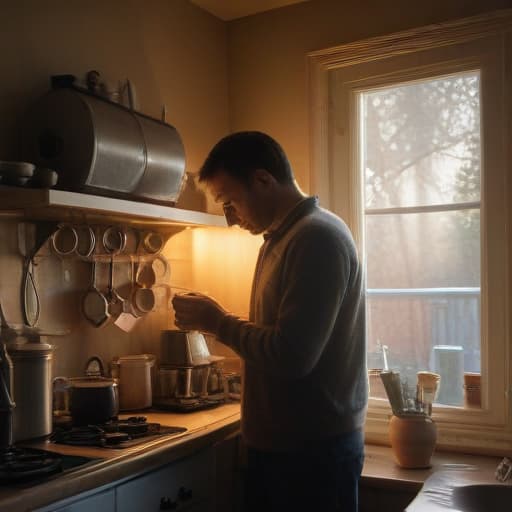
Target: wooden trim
[(413, 40), (491, 427)]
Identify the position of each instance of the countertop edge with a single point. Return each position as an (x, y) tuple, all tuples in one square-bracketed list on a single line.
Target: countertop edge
[(114, 471)]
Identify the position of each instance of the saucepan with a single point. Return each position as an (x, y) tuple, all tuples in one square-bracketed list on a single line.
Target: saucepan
[(90, 400)]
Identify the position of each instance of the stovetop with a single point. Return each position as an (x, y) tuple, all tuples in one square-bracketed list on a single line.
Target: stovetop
[(118, 433), (24, 466)]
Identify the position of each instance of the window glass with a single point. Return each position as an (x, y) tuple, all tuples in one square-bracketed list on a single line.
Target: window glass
[(420, 156), (422, 142)]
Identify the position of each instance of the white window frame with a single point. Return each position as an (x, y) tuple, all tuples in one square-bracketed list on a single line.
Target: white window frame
[(336, 76)]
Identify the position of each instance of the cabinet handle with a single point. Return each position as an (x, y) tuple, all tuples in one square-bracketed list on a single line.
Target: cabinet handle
[(167, 504)]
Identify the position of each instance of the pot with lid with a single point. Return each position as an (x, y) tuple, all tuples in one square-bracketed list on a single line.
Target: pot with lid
[(92, 400)]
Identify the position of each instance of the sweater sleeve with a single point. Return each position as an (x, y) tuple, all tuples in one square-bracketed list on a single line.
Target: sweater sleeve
[(316, 272)]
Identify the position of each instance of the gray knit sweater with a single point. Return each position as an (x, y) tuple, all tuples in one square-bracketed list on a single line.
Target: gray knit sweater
[(304, 344)]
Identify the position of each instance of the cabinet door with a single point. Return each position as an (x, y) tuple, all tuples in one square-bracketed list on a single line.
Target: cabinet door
[(183, 485), (228, 475), (101, 502)]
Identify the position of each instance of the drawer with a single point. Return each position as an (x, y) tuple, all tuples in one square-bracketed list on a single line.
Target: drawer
[(184, 485)]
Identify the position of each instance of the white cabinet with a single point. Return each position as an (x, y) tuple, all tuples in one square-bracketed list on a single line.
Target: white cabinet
[(183, 485), (100, 502)]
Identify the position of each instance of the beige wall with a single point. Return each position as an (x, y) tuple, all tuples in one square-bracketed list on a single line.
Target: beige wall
[(175, 54), (172, 51), (267, 57)]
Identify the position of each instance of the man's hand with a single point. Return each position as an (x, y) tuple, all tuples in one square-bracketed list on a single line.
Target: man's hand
[(197, 312)]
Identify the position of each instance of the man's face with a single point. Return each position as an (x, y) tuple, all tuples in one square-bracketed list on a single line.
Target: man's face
[(245, 203)]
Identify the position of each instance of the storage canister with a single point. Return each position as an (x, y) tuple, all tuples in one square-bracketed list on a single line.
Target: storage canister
[(32, 388), (135, 381)]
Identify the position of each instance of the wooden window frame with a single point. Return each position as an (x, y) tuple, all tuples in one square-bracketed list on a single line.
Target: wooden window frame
[(481, 42)]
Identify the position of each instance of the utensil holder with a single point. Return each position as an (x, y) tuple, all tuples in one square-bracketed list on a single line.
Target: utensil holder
[(413, 439)]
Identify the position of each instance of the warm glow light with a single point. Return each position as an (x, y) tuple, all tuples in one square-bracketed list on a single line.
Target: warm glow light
[(216, 261)]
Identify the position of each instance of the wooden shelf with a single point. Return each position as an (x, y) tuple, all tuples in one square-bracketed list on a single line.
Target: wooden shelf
[(59, 205)]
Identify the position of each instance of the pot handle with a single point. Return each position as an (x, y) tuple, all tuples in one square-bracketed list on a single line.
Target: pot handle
[(60, 401)]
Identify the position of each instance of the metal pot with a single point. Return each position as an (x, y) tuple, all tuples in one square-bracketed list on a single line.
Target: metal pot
[(32, 371), (92, 400), (100, 147)]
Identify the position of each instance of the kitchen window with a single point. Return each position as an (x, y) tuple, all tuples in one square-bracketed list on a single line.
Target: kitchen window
[(409, 147), (420, 168)]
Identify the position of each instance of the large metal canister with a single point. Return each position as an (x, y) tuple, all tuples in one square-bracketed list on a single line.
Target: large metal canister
[(32, 389), (100, 147)]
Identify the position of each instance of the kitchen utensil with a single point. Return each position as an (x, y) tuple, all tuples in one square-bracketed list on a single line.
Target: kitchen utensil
[(161, 269), (114, 240), (146, 276), (135, 382), (100, 147), (183, 382), (143, 300), (185, 349), (30, 298), (119, 306), (64, 241), (115, 302), (32, 372), (6, 403), (426, 390), (392, 385), (94, 303), (92, 400), (152, 242), (31, 238), (86, 241)]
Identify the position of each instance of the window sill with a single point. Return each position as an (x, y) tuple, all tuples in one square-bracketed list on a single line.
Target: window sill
[(381, 471)]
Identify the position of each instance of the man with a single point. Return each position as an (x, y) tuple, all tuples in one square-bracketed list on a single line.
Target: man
[(305, 383)]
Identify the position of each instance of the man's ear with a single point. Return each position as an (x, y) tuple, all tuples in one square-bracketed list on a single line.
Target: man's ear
[(263, 178)]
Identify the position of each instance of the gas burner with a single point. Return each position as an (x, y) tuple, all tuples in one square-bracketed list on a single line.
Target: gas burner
[(187, 404), (21, 464), (121, 433)]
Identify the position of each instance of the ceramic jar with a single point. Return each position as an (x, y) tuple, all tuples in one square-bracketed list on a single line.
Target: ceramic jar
[(413, 439)]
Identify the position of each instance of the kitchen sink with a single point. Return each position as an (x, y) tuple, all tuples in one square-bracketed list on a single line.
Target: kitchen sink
[(482, 497)]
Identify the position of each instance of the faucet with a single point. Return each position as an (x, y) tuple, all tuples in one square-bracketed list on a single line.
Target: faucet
[(504, 470)]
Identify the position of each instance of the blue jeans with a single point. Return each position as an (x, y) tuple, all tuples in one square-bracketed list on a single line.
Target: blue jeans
[(322, 477)]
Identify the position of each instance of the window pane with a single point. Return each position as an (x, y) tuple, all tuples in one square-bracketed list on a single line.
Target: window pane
[(433, 331), (423, 250), (421, 147), (422, 142)]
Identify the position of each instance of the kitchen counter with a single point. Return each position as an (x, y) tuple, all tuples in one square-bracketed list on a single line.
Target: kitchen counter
[(422, 490), (204, 428)]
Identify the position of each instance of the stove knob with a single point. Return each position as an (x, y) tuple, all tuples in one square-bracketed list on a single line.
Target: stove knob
[(167, 504)]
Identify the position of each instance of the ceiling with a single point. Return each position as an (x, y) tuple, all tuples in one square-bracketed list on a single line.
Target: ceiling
[(231, 9)]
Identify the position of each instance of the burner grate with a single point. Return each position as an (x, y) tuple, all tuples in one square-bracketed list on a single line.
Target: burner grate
[(20, 464), (122, 433)]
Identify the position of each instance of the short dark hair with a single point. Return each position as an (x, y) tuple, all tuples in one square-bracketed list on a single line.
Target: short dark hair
[(241, 153)]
